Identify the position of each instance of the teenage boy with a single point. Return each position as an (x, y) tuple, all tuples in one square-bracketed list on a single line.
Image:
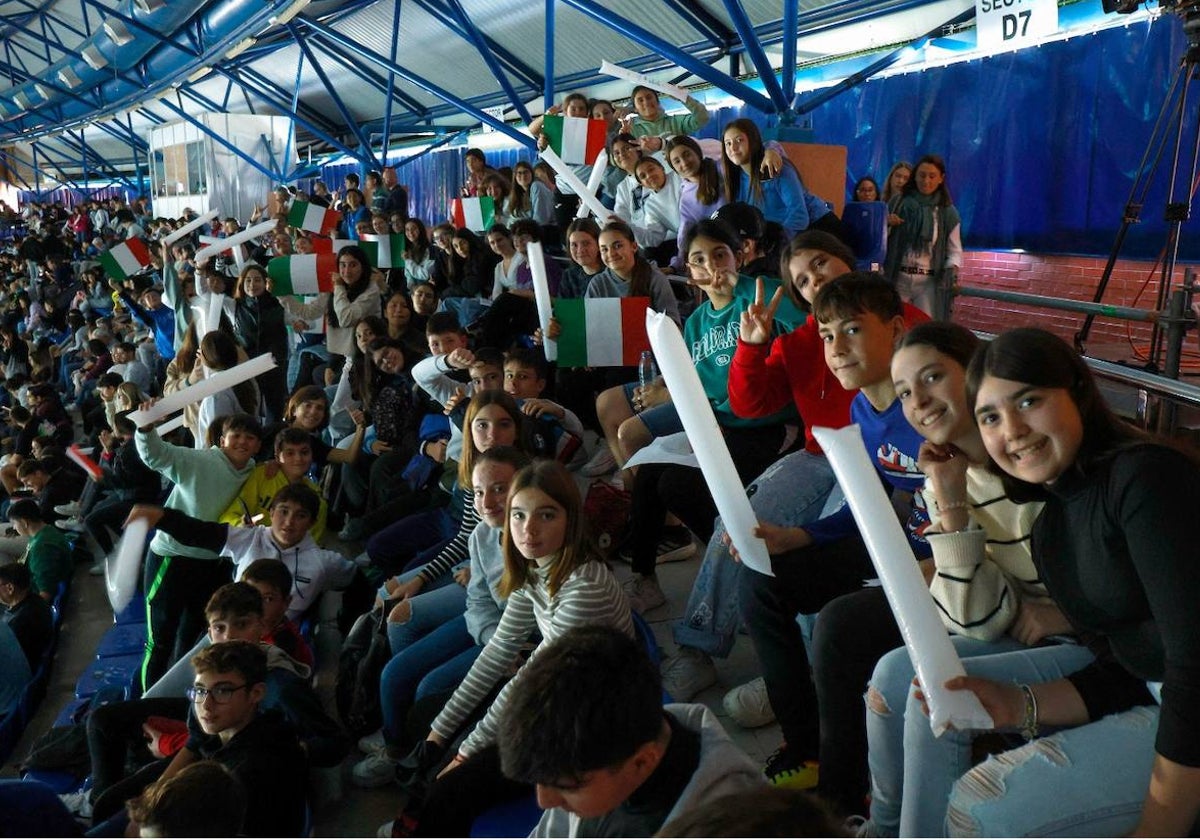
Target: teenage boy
[(226, 724), (557, 432), (27, 615), (860, 317), (604, 775), (293, 459), (235, 613), (293, 510), (47, 552), (274, 583), (179, 578)]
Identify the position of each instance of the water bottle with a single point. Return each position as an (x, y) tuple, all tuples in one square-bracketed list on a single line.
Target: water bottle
[(647, 370)]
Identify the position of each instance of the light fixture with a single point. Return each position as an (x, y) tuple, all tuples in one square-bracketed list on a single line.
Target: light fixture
[(21, 99), (94, 58), (290, 12), (149, 6), (69, 77), (240, 47), (42, 91), (200, 73), (116, 30)]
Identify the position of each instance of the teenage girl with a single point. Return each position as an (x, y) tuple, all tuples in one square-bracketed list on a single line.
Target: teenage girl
[(1116, 547), (260, 325), (925, 250), (554, 580), (985, 584)]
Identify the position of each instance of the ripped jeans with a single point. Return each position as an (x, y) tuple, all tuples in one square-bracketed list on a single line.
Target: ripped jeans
[(912, 772), (1090, 781)]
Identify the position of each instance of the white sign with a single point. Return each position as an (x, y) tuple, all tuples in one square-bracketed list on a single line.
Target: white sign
[(1011, 24), (496, 113)]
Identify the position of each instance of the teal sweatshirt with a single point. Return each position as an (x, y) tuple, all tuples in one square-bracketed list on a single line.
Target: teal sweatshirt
[(712, 335), (205, 483)]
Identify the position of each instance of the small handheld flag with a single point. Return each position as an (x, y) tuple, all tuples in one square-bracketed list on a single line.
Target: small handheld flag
[(601, 332), (302, 274)]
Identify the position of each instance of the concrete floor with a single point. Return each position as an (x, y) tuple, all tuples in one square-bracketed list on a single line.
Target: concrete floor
[(340, 808)]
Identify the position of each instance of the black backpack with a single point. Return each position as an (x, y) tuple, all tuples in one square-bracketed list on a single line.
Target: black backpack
[(365, 652)]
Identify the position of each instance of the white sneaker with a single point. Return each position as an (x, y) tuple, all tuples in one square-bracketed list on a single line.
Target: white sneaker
[(78, 803), (749, 705), (601, 463), (376, 770), (372, 744), (644, 593), (72, 524), (687, 673), (69, 509)]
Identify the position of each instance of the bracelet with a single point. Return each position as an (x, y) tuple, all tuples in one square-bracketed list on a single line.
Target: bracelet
[(1029, 726), (960, 505)]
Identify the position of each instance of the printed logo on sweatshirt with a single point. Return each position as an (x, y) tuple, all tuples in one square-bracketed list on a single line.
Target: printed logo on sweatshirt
[(723, 337)]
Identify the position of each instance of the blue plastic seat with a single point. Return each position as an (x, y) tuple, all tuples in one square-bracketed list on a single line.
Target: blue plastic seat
[(33, 809), (512, 819), (122, 640), (867, 224), (111, 672)]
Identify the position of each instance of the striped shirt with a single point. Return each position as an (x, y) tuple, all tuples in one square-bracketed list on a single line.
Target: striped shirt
[(590, 596), (455, 551), (984, 572)]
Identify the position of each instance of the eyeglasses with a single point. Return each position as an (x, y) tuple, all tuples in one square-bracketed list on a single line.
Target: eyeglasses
[(220, 693)]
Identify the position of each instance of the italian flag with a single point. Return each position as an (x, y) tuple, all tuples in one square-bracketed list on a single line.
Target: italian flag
[(87, 464), (601, 332), (577, 140), (473, 213), (302, 274), (385, 251), (126, 259), (313, 217)]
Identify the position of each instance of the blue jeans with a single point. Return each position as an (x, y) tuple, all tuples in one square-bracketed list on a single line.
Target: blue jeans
[(392, 547), (794, 491), (912, 772), (1090, 781), (431, 608), (435, 664)]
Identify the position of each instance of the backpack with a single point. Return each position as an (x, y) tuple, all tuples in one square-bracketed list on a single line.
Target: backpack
[(364, 654)]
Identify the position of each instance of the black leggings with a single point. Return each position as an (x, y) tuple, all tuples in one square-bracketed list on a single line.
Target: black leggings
[(457, 799)]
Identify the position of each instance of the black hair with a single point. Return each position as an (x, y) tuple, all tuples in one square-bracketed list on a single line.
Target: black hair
[(18, 574), (855, 293), (717, 229), (234, 600), (271, 571), (1036, 357), (953, 340), (300, 494), (109, 380), (588, 701), (488, 356), (443, 322), (240, 422), (291, 436), (527, 227), (511, 455), (529, 357), (122, 423)]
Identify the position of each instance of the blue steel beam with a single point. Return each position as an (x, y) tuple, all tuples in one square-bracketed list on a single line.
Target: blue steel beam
[(758, 56), (820, 98), (61, 177), (119, 133), (485, 52), (445, 141), (700, 19), (249, 82), (279, 99), (8, 166), (218, 139), (548, 86), (656, 44), (522, 70), (166, 37), (99, 164), (791, 18), (350, 119), (355, 67), (389, 94), (291, 132), (347, 43)]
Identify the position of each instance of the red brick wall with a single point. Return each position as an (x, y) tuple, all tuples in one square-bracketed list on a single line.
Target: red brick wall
[(1054, 276)]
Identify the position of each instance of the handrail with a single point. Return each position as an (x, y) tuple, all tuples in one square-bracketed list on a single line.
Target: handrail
[(1085, 307)]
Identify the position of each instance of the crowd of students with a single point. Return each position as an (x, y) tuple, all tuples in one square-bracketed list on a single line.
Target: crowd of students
[(495, 655)]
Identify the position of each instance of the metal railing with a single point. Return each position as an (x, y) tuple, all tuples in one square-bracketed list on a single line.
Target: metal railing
[(1175, 321)]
